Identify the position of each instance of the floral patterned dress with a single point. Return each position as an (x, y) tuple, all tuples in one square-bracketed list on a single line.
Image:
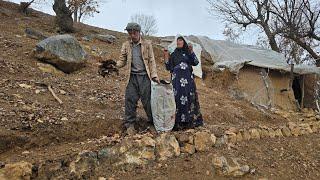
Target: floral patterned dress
[(186, 98)]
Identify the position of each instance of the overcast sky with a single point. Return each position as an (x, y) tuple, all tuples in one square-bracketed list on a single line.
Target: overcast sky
[(173, 16)]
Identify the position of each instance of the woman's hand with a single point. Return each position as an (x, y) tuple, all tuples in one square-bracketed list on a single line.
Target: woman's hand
[(166, 54), (190, 47)]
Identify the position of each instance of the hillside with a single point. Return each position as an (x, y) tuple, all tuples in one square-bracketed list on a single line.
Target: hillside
[(35, 128)]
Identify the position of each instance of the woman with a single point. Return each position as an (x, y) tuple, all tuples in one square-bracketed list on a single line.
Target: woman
[(180, 63)]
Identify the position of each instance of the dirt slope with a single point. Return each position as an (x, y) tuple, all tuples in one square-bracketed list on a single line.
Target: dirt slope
[(32, 121)]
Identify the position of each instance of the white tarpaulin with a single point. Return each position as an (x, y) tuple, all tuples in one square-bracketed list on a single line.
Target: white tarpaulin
[(234, 56), (197, 70), (163, 106)]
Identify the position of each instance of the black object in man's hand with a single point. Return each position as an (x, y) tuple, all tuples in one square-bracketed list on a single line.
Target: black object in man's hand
[(108, 67)]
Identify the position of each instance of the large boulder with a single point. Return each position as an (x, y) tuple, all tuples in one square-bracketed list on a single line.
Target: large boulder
[(62, 51)]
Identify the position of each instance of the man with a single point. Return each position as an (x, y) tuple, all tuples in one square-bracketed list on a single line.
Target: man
[(138, 54)]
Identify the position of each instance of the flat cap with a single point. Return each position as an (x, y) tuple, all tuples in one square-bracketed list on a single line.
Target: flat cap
[(133, 26)]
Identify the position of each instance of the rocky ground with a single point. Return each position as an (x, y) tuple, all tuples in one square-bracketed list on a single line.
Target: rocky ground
[(82, 138)]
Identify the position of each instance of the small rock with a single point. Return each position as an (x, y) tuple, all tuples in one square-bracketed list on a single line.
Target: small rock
[(246, 135), (278, 133), (315, 126), (185, 138), (203, 141), (64, 119), (222, 167), (296, 131), (106, 38), (272, 133), (34, 34), (20, 170), (148, 142), (26, 86), (254, 134), (188, 148), (309, 115), (292, 125), (305, 129), (25, 152), (221, 141), (85, 163), (167, 146), (219, 162), (264, 133), (232, 137), (239, 137), (62, 92), (286, 131), (48, 68)]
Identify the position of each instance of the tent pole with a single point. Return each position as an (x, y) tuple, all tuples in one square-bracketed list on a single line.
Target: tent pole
[(302, 92), (291, 76)]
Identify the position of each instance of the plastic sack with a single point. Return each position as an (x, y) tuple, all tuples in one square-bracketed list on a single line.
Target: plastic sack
[(163, 106)]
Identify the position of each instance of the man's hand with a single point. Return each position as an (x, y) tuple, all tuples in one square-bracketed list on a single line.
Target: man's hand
[(156, 79), (190, 47)]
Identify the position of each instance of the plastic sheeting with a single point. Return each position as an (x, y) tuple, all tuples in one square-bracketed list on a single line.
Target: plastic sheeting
[(234, 56), (163, 106), (197, 70)]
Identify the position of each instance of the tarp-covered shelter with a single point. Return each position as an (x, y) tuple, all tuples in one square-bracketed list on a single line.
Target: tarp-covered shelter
[(262, 76)]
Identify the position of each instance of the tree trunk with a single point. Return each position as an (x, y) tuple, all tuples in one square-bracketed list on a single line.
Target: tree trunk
[(271, 38), (63, 16), (75, 15)]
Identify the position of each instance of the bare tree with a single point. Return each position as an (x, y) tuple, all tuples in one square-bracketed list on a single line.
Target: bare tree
[(298, 20), (291, 26), (148, 23), (83, 8), (245, 13)]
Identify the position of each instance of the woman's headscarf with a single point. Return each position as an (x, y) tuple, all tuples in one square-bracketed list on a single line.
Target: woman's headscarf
[(185, 45)]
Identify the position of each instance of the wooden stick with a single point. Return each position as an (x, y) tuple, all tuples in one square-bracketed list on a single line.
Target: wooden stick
[(54, 95), (302, 91)]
